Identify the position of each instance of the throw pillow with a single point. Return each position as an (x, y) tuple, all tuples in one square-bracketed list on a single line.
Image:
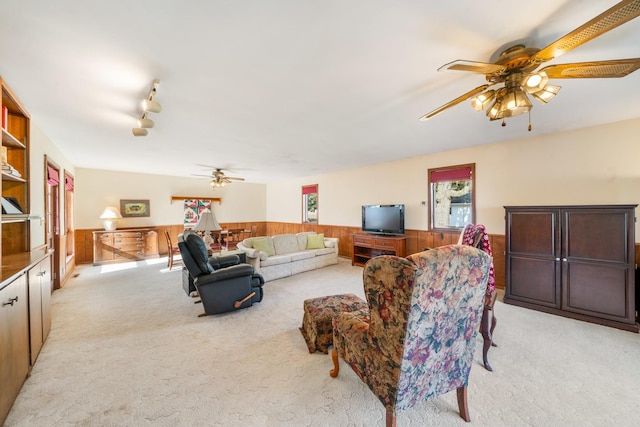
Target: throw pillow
[(315, 241), (263, 246)]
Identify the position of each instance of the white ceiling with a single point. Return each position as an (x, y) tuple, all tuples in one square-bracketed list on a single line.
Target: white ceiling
[(284, 88)]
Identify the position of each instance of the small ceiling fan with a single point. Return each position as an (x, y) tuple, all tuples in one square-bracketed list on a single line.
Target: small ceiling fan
[(219, 179), (515, 68)]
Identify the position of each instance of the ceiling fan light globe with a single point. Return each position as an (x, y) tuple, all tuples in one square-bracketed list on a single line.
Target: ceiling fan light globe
[(481, 101), (535, 82), (139, 132), (547, 93)]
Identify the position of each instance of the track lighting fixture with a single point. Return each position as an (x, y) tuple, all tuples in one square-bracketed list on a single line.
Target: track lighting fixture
[(144, 122), (149, 105)]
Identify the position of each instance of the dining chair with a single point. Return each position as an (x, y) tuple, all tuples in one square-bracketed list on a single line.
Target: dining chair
[(171, 250)]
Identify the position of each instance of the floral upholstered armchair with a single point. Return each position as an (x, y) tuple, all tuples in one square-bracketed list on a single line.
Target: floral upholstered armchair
[(420, 337)]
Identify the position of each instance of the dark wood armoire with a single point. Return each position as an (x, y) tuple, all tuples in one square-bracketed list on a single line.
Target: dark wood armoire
[(574, 261)]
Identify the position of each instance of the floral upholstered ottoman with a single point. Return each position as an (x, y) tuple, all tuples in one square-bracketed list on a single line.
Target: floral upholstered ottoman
[(317, 328)]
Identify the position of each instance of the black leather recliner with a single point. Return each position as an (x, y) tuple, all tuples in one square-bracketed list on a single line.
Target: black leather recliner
[(222, 282)]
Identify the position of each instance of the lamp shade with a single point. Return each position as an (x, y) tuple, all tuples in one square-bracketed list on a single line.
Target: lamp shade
[(110, 214), (207, 222)]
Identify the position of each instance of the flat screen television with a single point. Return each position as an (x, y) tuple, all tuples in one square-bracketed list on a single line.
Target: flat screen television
[(383, 219)]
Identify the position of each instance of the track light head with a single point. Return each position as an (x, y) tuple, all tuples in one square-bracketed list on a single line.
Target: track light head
[(151, 106), (140, 132), (145, 123)]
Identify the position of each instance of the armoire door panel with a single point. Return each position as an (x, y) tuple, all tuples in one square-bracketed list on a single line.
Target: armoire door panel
[(533, 233), (534, 280), (596, 235), (596, 289)]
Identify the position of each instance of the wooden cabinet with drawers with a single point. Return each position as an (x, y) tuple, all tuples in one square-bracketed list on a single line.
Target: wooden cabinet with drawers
[(124, 245), (367, 246)]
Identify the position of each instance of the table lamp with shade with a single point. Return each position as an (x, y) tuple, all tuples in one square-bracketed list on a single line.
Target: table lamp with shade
[(206, 224), (110, 215)]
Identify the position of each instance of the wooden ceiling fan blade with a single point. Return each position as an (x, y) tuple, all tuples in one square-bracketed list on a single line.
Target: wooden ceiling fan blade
[(622, 12), (234, 178), (596, 69), (456, 101), (473, 66)]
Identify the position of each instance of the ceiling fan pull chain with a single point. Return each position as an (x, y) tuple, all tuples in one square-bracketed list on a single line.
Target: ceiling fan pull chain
[(504, 123), (529, 128)]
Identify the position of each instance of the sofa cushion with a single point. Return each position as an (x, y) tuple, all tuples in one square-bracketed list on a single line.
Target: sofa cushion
[(315, 241), (285, 243), (264, 245), (297, 256), (275, 260), (323, 251), (302, 239)]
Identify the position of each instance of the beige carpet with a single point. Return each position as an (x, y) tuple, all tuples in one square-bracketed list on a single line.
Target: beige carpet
[(127, 349)]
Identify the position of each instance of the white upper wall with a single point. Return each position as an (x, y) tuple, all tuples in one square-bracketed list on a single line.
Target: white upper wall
[(597, 165), (39, 146), (97, 189)]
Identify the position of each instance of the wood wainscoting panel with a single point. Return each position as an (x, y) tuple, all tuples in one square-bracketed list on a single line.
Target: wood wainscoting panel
[(417, 240), (498, 250)]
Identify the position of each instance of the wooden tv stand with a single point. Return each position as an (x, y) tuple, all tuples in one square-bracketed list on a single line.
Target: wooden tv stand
[(367, 246)]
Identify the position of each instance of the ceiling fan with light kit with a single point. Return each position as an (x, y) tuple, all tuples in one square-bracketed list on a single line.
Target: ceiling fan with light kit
[(218, 178), (515, 68)]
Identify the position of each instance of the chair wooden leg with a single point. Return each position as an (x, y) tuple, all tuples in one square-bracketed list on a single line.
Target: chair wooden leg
[(485, 330), (493, 326), (463, 407), (336, 364), (170, 260), (391, 419)]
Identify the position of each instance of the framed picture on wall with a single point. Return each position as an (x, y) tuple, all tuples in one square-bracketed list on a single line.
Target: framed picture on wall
[(134, 208)]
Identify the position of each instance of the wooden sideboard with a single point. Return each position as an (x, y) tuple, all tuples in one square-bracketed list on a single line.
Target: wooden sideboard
[(367, 246), (124, 245)]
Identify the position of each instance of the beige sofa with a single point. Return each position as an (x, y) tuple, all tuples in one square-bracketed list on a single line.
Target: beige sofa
[(289, 254)]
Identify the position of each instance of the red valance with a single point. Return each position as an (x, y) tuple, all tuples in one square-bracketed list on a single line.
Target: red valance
[(458, 174), (68, 183), (52, 176), (309, 189)]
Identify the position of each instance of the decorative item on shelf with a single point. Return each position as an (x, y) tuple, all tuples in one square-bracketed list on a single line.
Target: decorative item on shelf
[(206, 224), (6, 167), (149, 105), (110, 215), (10, 205)]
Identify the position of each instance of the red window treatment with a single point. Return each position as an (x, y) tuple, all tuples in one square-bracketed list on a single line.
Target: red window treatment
[(309, 189), (68, 183), (52, 176), (443, 175)]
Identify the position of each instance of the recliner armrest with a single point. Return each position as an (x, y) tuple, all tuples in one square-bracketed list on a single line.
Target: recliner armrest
[(218, 262), (223, 274)]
